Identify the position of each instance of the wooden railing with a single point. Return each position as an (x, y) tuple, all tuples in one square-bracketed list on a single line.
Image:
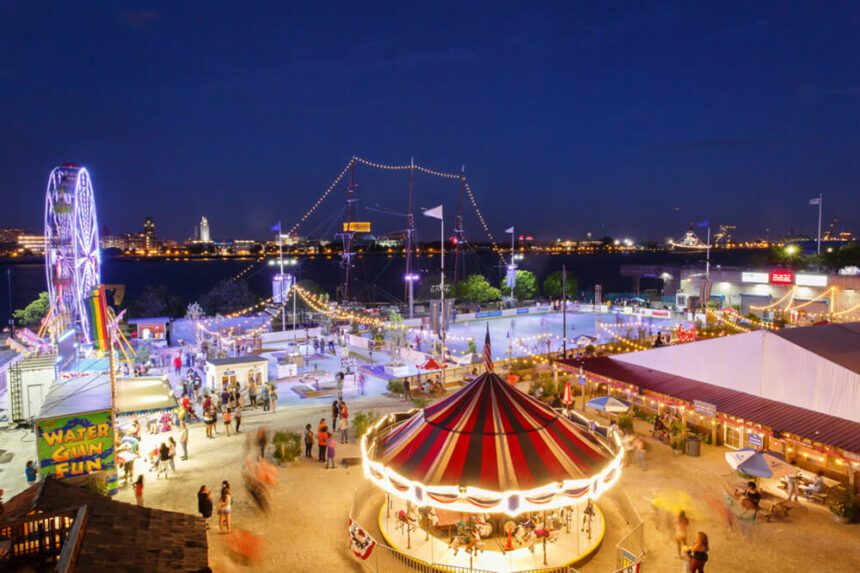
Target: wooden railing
[(45, 537)]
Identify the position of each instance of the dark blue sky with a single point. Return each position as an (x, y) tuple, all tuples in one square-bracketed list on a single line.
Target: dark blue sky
[(592, 116)]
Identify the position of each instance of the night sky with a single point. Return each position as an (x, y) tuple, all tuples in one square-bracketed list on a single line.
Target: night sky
[(592, 116)]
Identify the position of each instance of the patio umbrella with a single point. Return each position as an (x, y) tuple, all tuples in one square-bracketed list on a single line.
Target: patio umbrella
[(757, 464), (609, 404), (567, 396)]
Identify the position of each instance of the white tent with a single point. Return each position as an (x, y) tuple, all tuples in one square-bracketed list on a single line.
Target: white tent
[(774, 366)]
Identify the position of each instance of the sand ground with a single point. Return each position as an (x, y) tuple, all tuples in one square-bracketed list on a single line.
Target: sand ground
[(306, 529)]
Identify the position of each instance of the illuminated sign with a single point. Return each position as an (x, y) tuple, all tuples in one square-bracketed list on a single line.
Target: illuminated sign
[(760, 278), (782, 277), (811, 280), (356, 227), (75, 445)]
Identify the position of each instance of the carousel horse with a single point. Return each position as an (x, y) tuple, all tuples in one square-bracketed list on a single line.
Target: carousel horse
[(407, 519), (429, 519), (482, 528), (469, 541)]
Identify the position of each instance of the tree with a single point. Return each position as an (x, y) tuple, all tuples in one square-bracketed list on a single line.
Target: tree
[(848, 255), (227, 296), (552, 285), (156, 301), (526, 287), (476, 288), (34, 312)]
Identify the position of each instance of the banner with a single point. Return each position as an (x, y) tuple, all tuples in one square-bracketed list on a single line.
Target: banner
[(97, 314), (75, 445), (360, 542)]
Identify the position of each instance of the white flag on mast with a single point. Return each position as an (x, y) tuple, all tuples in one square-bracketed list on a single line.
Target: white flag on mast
[(435, 212), (509, 230), (815, 201)]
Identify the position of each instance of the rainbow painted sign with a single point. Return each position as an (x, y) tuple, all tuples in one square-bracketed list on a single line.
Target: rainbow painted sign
[(75, 445)]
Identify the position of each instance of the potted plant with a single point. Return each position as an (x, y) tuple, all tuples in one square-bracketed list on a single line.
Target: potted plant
[(288, 446), (362, 421), (843, 504)]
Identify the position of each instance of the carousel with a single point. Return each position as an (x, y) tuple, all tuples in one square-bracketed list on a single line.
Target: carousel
[(491, 478)]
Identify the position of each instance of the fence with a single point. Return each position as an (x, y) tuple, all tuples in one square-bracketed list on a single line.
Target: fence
[(631, 547)]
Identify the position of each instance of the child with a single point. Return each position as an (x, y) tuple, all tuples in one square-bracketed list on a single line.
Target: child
[(330, 451), (227, 420), (309, 441), (138, 490)]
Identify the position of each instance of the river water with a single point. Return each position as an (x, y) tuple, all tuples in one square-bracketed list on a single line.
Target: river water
[(375, 276)]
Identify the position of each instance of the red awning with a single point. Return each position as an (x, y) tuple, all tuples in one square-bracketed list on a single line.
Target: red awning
[(490, 435), (822, 428)]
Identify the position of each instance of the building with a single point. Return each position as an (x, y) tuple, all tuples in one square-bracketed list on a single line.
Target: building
[(32, 242), (150, 242), (205, 237), (60, 526), (242, 369), (811, 295), (357, 227), (795, 392), (9, 236)]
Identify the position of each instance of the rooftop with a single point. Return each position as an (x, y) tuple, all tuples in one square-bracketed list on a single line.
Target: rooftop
[(236, 360)]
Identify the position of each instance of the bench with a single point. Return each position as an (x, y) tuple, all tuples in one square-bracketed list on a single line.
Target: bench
[(768, 509)]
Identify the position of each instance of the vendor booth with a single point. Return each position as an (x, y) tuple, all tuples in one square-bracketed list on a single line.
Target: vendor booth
[(74, 432), (150, 328), (241, 369)]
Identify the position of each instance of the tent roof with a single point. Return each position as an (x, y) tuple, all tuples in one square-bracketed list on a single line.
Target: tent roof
[(492, 436), (821, 428), (839, 343), (91, 393), (806, 367)]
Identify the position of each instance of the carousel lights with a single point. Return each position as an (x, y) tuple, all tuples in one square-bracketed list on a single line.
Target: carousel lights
[(511, 502)]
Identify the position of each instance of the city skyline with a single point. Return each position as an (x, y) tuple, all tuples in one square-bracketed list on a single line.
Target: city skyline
[(675, 115)]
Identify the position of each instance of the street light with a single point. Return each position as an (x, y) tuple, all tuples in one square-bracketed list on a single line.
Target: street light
[(791, 250)]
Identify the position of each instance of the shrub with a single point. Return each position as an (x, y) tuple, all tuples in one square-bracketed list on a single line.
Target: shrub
[(420, 402), (288, 446), (589, 350), (625, 423), (362, 421), (843, 503), (395, 387)]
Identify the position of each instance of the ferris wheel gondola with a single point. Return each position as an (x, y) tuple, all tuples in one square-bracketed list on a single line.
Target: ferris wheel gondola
[(72, 257)]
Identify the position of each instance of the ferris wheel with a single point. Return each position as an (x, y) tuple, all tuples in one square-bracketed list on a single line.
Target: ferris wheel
[(72, 257)]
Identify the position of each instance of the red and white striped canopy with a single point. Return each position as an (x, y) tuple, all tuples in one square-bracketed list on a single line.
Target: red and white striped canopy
[(492, 436)]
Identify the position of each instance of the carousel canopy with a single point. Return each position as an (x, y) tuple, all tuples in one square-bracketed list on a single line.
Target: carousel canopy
[(492, 436)]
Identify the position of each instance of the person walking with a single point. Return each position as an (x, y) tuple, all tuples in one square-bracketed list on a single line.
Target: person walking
[(682, 523), (138, 490), (322, 434), (335, 414), (204, 504), (163, 460), (209, 420), (309, 441), (329, 451), (273, 398), (343, 428), (31, 472), (362, 382), (171, 453), (791, 486), (183, 440), (699, 553), (225, 509), (252, 394), (227, 420), (238, 415), (262, 439), (264, 395), (177, 364), (407, 391)]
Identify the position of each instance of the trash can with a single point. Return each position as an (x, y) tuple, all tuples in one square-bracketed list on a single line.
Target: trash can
[(694, 447)]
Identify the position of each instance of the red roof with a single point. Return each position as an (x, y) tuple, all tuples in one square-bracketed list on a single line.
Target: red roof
[(493, 436), (822, 428)]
